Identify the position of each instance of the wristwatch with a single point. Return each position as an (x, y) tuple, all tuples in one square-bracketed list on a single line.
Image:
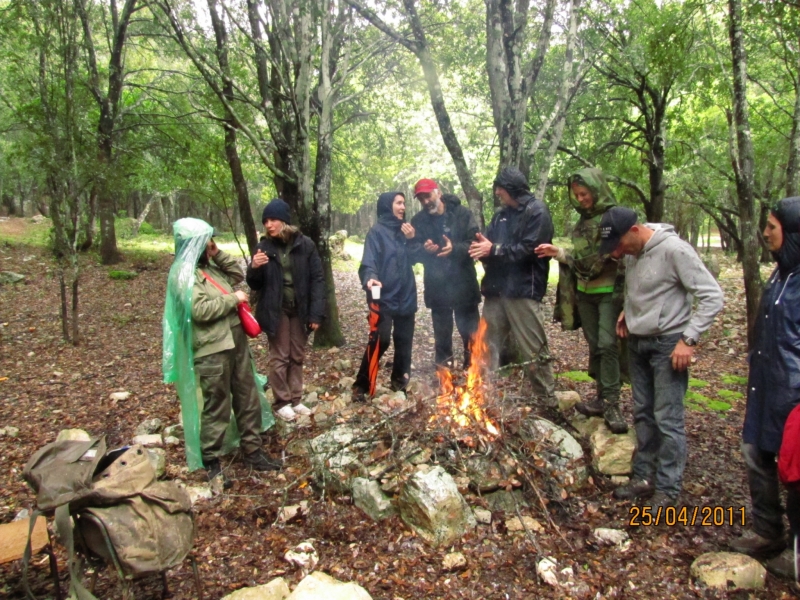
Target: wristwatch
[(689, 341)]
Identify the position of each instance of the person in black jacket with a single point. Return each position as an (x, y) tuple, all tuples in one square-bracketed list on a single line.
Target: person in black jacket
[(444, 231), (773, 390), (386, 264), (516, 279), (287, 271)]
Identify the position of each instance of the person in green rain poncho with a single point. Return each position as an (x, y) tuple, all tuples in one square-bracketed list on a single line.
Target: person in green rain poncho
[(599, 292), (206, 347)]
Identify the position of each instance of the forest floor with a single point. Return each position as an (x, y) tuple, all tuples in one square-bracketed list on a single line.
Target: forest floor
[(47, 386)]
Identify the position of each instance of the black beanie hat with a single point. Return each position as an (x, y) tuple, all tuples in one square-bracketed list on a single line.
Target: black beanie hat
[(277, 209)]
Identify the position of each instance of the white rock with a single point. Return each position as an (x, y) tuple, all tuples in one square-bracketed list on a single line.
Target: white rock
[(482, 516), (171, 440), (529, 523), (612, 454), (22, 515), (117, 396), (149, 427), (158, 458), (304, 556), (311, 400), (368, 496), (149, 440), (728, 570), (287, 513), (12, 431), (319, 586), (567, 400), (174, 431), (199, 492), (612, 537), (453, 561), (277, 589), (75, 435), (346, 382), (546, 570)]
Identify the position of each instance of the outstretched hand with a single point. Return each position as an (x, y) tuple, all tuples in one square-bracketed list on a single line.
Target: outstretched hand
[(480, 248), (259, 259), (408, 231), (543, 250), (447, 248)]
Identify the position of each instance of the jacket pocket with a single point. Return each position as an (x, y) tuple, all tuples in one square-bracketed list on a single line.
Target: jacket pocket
[(209, 370)]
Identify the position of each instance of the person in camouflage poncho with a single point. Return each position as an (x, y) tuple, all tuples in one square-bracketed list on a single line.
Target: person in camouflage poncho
[(597, 292)]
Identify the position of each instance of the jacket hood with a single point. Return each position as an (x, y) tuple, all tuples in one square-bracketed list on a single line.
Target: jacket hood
[(787, 211), (451, 200), (595, 180), (661, 233), (385, 214), (512, 180)]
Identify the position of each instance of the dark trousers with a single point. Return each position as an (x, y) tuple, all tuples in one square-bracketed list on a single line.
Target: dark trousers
[(658, 392), (227, 383), (466, 318), (287, 349), (599, 314), (400, 329), (765, 494)]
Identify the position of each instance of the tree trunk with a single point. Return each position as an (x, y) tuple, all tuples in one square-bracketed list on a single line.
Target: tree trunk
[(793, 164), (145, 211), (743, 162)]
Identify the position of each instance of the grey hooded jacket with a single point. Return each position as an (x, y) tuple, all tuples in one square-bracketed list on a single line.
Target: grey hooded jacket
[(661, 284)]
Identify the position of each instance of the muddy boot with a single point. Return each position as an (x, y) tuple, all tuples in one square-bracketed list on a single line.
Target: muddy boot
[(593, 408), (613, 418)]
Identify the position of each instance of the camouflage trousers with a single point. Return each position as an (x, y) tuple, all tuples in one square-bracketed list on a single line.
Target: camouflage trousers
[(599, 314), (227, 383)]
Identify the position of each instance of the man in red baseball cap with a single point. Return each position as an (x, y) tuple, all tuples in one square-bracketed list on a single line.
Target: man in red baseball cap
[(444, 230)]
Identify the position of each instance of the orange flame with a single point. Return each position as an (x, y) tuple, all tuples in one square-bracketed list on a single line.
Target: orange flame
[(463, 405)]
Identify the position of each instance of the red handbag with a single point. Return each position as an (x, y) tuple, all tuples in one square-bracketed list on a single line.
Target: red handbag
[(249, 323)]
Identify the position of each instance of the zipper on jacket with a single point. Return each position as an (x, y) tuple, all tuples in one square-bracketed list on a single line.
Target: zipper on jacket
[(783, 289)]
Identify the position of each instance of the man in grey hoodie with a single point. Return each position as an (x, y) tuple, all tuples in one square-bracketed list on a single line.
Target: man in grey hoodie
[(663, 276)]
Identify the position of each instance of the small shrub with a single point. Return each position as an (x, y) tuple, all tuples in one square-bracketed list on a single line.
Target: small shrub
[(697, 383), (123, 275), (146, 229)]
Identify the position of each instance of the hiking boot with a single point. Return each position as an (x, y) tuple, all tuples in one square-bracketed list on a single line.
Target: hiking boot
[(358, 395), (614, 419), (593, 408), (754, 544), (214, 469), (784, 565), (660, 500), (259, 461), (635, 488)]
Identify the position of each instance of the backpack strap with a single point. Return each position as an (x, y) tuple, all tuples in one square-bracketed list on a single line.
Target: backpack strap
[(64, 528)]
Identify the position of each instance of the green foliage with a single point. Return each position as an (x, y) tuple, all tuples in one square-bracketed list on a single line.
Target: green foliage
[(729, 394), (694, 400), (697, 383), (122, 275), (576, 375), (734, 380), (147, 229)]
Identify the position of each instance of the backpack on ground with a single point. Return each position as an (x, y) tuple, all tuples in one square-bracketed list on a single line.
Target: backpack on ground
[(112, 503)]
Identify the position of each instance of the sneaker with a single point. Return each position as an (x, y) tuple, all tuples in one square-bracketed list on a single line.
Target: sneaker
[(214, 469), (635, 488), (259, 461), (784, 565), (754, 544), (614, 419), (286, 413), (301, 409), (660, 500), (594, 408), (358, 395)]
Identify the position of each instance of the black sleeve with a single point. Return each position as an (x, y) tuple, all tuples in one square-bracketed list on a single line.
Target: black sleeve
[(316, 310), (370, 260), (538, 230)]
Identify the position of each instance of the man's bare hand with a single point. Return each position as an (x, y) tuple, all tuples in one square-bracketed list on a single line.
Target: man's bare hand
[(408, 231), (447, 248), (313, 326), (259, 259), (241, 296), (543, 250), (622, 326), (372, 282), (480, 248), (430, 247), (682, 356)]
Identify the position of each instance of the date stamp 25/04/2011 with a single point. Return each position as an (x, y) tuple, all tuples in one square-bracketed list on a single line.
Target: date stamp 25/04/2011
[(704, 516)]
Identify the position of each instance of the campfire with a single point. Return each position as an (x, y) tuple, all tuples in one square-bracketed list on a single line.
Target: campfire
[(464, 406)]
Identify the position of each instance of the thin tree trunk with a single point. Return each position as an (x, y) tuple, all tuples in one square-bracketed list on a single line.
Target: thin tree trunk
[(145, 211), (793, 164), (743, 163)]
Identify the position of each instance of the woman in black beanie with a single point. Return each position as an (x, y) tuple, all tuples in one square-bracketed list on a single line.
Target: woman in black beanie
[(287, 271)]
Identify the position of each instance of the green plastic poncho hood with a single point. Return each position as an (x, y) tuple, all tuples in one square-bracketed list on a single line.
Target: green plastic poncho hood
[(191, 237), (595, 180)]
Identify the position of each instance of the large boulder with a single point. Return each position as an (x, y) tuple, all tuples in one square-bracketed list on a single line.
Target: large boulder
[(561, 452), (368, 496), (318, 585), (729, 570), (612, 454), (432, 506), (277, 589)]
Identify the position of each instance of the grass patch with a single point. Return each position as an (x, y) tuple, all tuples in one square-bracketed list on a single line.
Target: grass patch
[(576, 375), (729, 394), (697, 383), (695, 398), (123, 275), (734, 380)]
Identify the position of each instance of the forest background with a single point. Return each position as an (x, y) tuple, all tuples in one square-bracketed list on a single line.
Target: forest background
[(154, 110)]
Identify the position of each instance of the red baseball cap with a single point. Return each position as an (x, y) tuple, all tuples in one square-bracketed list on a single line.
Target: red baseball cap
[(425, 186)]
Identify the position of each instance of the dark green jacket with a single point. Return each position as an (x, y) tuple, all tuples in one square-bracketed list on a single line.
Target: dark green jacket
[(214, 313)]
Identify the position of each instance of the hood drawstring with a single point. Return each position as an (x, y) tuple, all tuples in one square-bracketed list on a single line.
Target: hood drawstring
[(785, 283)]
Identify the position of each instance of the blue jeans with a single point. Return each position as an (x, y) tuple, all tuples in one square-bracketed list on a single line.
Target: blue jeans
[(658, 392)]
